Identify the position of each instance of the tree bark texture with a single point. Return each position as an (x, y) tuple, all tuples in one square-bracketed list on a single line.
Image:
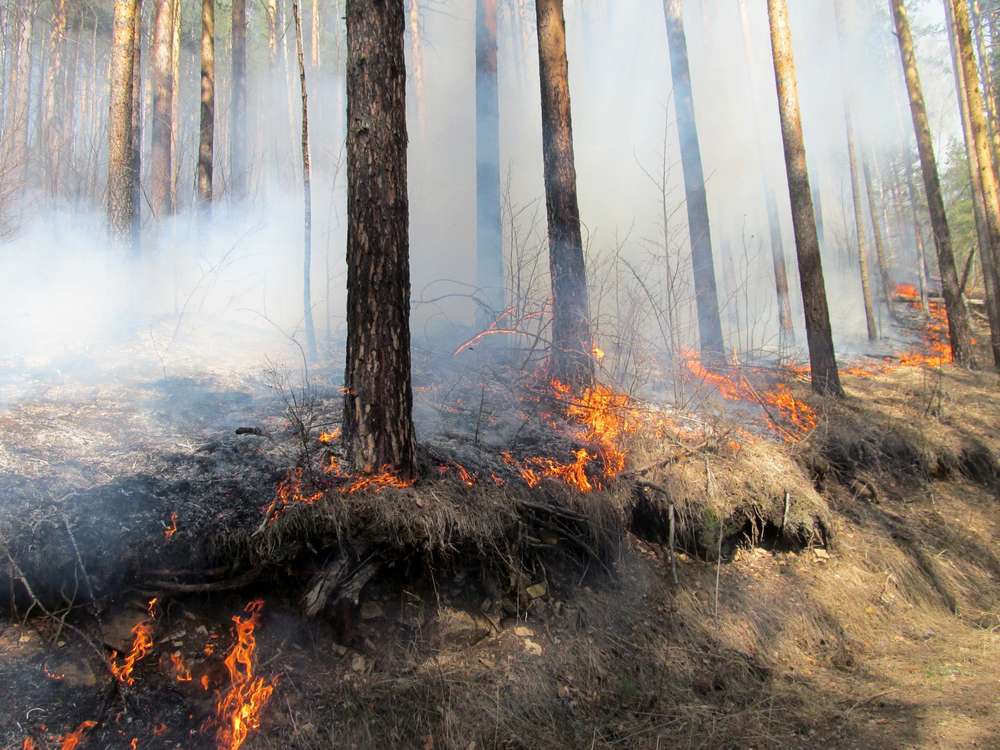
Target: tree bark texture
[(121, 206), (378, 430), (206, 131), (160, 155), (489, 244), (238, 105)]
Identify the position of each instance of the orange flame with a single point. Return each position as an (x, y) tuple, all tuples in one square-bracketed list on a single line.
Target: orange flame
[(72, 740), (385, 478), (142, 644), (168, 533), (182, 673), (239, 709), (151, 607), (289, 492), (329, 437)]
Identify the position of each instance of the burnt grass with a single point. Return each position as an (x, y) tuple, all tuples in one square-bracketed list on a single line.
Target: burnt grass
[(487, 616)]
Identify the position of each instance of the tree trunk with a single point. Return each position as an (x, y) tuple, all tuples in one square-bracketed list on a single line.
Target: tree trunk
[(819, 335), (17, 127), (958, 323), (785, 326), (417, 60), (699, 229), (990, 250), (378, 430), (175, 69), (161, 159), (306, 189), (489, 244), (986, 77), (314, 45), (207, 129), (50, 128), (271, 11), (136, 139), (121, 206), (571, 360), (881, 256), (238, 105)]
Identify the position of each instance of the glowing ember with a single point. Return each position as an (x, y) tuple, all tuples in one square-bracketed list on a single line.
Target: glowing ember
[(238, 710), (385, 478), (182, 673), (72, 740), (168, 533), (142, 644)]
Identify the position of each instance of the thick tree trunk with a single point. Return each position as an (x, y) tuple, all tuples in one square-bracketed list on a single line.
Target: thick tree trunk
[(417, 61), (819, 335), (571, 360), (489, 245), (238, 105), (121, 206), (175, 68), (958, 323), (699, 228), (207, 129), (990, 250), (136, 169), (50, 127), (160, 155), (306, 189), (378, 430), (785, 326)]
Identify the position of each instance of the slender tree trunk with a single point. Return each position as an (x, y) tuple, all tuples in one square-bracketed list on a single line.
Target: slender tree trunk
[(699, 228), (986, 77), (958, 323), (136, 141), (315, 36), (819, 335), (121, 205), (378, 430), (160, 156), (207, 129), (489, 244), (238, 105), (881, 255), (50, 128), (990, 250), (571, 360), (785, 327), (306, 188), (271, 12), (17, 128), (175, 74)]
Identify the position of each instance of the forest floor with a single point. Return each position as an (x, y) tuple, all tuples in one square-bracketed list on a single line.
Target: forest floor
[(882, 632)]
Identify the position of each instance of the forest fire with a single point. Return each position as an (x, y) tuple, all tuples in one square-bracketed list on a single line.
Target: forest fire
[(238, 710), (142, 644), (168, 533), (182, 673)]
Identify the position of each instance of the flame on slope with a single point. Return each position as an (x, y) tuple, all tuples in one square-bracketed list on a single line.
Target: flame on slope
[(289, 492), (238, 710)]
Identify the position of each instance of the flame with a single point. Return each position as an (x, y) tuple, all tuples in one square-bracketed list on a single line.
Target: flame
[(238, 710), (598, 353), (289, 492), (182, 673), (329, 437), (907, 292), (204, 682), (463, 474), (142, 644), (168, 533), (56, 676), (134, 744), (72, 740), (29, 744), (151, 607)]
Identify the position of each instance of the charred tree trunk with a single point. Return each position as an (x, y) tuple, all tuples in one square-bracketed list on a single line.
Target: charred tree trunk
[(238, 105), (958, 323), (785, 326), (489, 245), (121, 206), (378, 430), (50, 127), (206, 139), (306, 189), (571, 360), (819, 335), (987, 170), (699, 228), (160, 156)]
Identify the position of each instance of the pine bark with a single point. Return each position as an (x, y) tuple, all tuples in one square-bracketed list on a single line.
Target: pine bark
[(238, 104), (206, 137), (306, 188), (819, 335), (570, 360), (136, 138), (699, 228), (160, 155), (175, 67), (958, 324), (121, 206), (489, 245), (378, 429), (53, 79), (990, 251)]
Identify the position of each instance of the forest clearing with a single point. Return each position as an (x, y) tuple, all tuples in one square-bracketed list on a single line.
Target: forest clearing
[(470, 374)]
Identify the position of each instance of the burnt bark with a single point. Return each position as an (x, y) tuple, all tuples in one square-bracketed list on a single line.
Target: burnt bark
[(570, 360), (206, 131), (705, 290), (121, 207), (819, 335), (378, 430), (160, 156), (489, 245), (238, 105), (958, 323)]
